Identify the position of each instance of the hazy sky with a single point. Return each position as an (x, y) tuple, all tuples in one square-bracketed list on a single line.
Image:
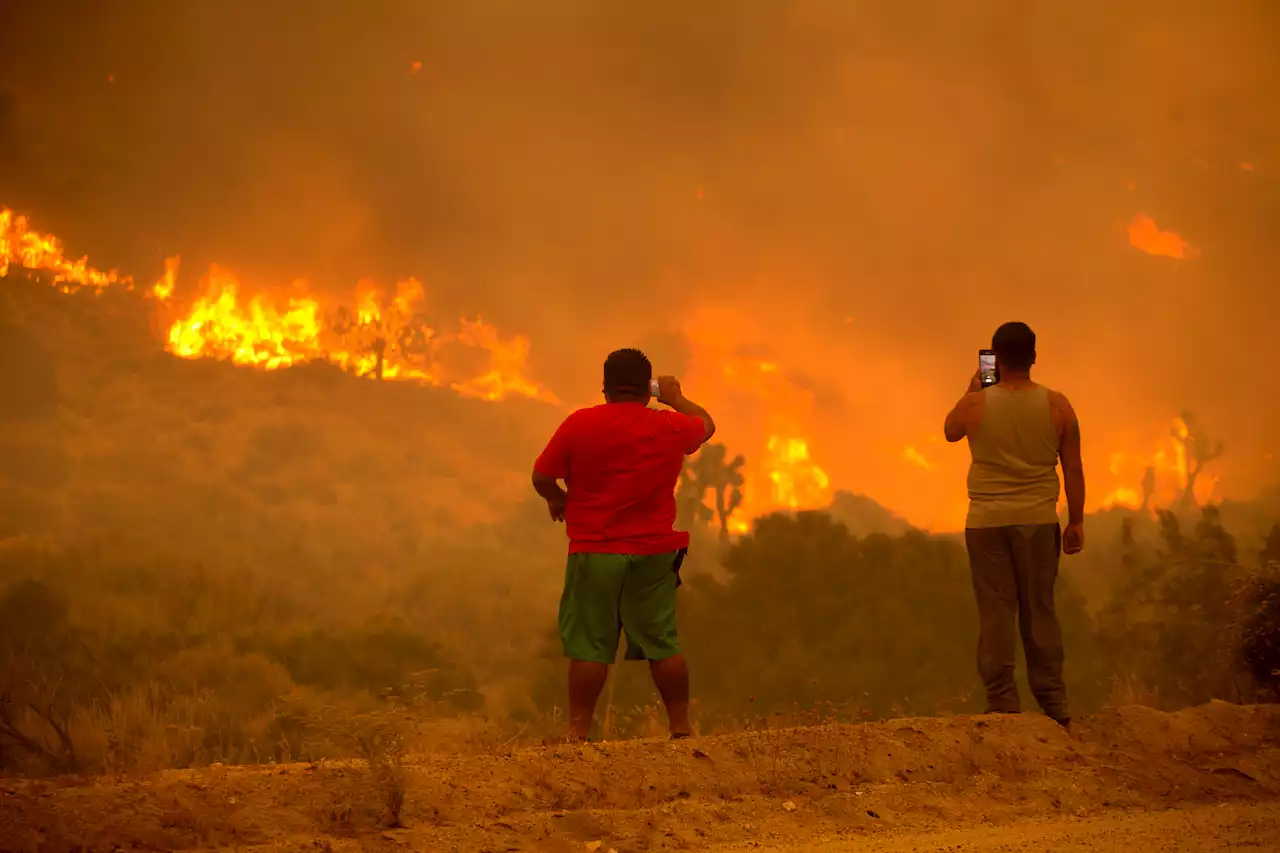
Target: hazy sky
[(858, 192)]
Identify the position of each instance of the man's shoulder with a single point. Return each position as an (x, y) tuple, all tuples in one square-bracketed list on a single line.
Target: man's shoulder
[(1057, 399), (606, 416), (587, 413)]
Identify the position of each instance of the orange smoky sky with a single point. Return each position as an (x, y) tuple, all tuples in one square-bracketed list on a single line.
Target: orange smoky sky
[(815, 212)]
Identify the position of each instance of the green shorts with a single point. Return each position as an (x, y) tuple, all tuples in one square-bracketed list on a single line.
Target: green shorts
[(606, 594)]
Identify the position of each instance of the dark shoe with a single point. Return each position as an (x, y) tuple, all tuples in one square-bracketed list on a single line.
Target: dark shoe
[(1065, 722), (680, 735)]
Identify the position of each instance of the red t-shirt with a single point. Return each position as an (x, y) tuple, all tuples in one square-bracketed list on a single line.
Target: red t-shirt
[(620, 462)]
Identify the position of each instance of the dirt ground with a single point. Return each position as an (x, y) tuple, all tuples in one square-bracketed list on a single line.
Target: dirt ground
[(1207, 776), (1206, 828)]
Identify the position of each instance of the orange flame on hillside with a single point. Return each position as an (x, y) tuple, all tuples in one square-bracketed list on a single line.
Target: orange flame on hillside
[(1165, 472), (21, 246), (366, 334), (1144, 234), (782, 476)]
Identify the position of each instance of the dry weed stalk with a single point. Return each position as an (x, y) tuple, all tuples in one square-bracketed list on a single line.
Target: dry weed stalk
[(1128, 689), (379, 740)]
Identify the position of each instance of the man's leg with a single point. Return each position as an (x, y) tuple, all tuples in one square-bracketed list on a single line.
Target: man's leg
[(589, 629), (586, 680), (648, 610), (996, 590), (1036, 549), (671, 677)]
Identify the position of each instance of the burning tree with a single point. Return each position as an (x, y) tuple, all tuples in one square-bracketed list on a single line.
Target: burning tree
[(690, 509), (396, 330), (372, 331), (1198, 450), (710, 471)]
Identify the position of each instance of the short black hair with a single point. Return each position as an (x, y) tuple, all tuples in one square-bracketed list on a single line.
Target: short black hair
[(627, 371), (1015, 346)]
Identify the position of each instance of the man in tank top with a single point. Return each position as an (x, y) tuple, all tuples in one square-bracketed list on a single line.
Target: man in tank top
[(1019, 432)]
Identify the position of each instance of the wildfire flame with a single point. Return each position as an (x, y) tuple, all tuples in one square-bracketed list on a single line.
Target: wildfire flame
[(782, 476), (1144, 234), (795, 480), (365, 333), (792, 481), (1168, 475), (35, 251)]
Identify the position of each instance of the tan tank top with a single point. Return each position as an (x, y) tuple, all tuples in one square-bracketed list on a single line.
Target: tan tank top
[(1013, 478)]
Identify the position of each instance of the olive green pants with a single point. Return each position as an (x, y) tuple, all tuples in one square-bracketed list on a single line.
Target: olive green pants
[(609, 594), (1014, 570)]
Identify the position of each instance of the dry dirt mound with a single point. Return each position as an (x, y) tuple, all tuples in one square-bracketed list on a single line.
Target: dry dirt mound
[(764, 785)]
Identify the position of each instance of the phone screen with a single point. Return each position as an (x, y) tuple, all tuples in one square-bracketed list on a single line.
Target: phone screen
[(987, 367)]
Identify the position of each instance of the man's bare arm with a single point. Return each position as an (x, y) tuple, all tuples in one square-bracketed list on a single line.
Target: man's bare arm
[(670, 393), (1069, 456), (548, 487), (685, 406), (956, 425)]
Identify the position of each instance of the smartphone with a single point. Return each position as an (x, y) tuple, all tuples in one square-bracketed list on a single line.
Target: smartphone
[(988, 373)]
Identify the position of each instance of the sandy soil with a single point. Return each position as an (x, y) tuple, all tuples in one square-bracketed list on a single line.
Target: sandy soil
[(923, 783), (1178, 831)]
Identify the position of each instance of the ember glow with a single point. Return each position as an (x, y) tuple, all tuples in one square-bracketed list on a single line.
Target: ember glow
[(1144, 234)]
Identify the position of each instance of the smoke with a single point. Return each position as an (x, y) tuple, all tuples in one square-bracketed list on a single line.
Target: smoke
[(860, 192)]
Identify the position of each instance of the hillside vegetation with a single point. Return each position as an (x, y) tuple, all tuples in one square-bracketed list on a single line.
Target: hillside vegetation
[(201, 563)]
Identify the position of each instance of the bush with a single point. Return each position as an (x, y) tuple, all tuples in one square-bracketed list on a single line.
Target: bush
[(1260, 650), (122, 667)]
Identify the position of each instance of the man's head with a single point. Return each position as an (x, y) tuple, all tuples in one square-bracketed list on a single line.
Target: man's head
[(1015, 346), (627, 373)]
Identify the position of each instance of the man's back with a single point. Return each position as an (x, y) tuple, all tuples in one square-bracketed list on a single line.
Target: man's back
[(621, 462), (1013, 478)]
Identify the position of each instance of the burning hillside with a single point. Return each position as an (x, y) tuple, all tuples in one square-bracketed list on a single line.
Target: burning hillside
[(370, 331), (389, 333), (367, 331)]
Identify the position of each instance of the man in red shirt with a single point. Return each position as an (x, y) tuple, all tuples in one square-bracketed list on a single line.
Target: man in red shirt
[(620, 462)]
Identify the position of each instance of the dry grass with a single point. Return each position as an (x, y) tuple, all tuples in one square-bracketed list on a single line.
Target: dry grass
[(1129, 690)]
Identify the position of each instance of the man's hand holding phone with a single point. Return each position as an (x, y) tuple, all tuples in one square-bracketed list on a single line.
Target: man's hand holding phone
[(669, 391)]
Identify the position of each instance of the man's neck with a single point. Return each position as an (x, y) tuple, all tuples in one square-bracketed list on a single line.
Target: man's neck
[(1014, 380)]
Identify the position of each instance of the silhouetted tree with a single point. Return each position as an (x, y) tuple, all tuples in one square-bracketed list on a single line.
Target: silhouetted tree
[(710, 471), (690, 509), (371, 334), (1200, 451), (1175, 616)]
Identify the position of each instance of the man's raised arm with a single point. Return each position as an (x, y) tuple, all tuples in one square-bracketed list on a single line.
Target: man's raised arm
[(956, 426), (670, 393)]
